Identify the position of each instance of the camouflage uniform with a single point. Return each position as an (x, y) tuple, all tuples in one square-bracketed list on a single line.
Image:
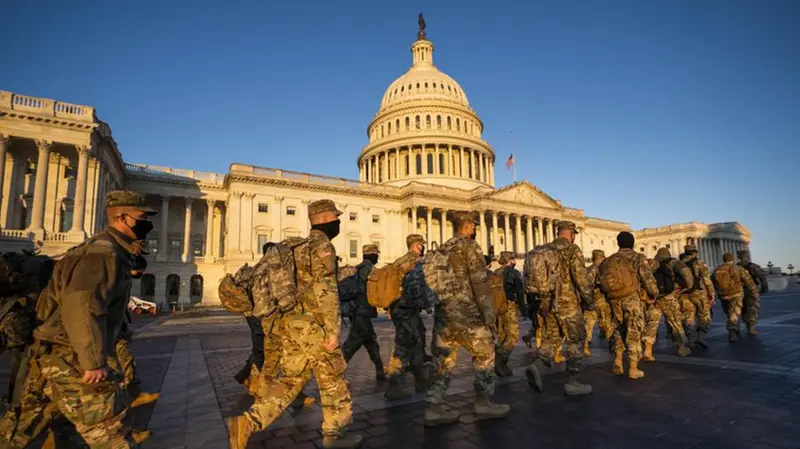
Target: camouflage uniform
[(71, 340), (303, 335), (362, 332), (732, 304), (602, 311), (508, 318), (668, 305), (752, 301), (627, 312), (697, 301)]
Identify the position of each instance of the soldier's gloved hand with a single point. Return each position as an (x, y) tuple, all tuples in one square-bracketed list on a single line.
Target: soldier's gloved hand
[(94, 376), (331, 344)]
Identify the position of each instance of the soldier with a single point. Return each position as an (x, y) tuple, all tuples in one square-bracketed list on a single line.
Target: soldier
[(409, 350), (561, 310), (732, 282), (362, 332), (635, 279), (602, 312), (68, 361), (672, 277), (699, 300), (310, 342), (752, 302), (466, 319), (507, 319)]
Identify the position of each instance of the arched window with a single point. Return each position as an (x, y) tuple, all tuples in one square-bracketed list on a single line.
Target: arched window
[(417, 123), (397, 125), (428, 122), (173, 288), (381, 131), (458, 124), (430, 164), (408, 169), (441, 164), (408, 123), (419, 164), (196, 288), (438, 122), (449, 123), (147, 287), (389, 128)]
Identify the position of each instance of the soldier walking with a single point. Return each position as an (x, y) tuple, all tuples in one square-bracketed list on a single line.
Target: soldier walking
[(508, 317), (752, 302), (466, 319), (68, 363), (697, 302), (732, 282), (564, 294), (310, 342), (602, 311), (362, 332), (672, 276)]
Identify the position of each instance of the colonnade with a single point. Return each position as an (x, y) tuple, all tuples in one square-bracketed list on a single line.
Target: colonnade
[(425, 161)]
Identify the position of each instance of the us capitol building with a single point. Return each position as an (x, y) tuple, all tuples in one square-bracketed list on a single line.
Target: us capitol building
[(424, 160)]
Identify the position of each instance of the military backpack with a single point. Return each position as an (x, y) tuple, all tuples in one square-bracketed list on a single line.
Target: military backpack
[(618, 277), (432, 280), (541, 268), (498, 291), (665, 279), (725, 282), (23, 276), (695, 268), (383, 286)]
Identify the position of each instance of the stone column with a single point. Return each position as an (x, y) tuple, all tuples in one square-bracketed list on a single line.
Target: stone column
[(4, 144), (414, 221), (304, 212), (187, 231), (234, 214), (163, 235), (79, 206), (449, 165), (507, 232), (530, 231), (540, 234), (463, 159), (520, 247), (494, 232), (443, 226), (385, 166), (429, 224), (397, 173), (550, 230), (40, 189), (436, 161), (491, 171), (361, 172), (484, 233), (209, 253), (247, 225), (279, 224)]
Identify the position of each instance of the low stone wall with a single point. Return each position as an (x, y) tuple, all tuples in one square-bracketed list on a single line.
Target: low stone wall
[(783, 283)]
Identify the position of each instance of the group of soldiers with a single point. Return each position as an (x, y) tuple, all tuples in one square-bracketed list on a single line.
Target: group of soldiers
[(77, 374)]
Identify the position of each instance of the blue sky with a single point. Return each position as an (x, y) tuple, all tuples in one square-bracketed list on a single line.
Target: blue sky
[(647, 112)]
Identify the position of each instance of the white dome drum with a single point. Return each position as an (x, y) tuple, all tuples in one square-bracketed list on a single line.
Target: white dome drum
[(425, 131)]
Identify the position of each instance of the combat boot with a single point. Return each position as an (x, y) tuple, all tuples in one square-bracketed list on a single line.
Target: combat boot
[(144, 398), (701, 339), (437, 414), (394, 391), (751, 329), (534, 375), (633, 371), (647, 356), (618, 368), (484, 408), (527, 339), (574, 387), (682, 350), (733, 336), (422, 379), (239, 431), (587, 351), (501, 367), (301, 402), (380, 374), (140, 436), (347, 441)]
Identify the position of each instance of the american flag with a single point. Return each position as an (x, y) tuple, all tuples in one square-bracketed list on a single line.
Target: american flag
[(510, 161)]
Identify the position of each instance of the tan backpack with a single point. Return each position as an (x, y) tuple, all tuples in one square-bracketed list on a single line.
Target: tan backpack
[(618, 277), (498, 293), (383, 286), (724, 279)]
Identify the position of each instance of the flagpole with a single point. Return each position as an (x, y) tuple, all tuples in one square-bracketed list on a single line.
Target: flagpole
[(514, 164)]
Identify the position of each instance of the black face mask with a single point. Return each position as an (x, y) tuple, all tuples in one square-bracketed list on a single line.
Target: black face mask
[(331, 229), (141, 228), (371, 257)]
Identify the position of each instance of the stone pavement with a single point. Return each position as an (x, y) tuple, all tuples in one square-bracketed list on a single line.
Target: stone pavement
[(730, 396)]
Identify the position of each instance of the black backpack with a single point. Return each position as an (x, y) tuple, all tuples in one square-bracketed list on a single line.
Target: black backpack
[(665, 279), (698, 282)]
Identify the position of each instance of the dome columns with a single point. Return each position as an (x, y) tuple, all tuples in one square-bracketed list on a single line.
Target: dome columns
[(420, 161)]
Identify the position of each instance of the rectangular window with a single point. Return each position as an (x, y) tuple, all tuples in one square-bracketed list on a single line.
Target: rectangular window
[(197, 248), (66, 219), (376, 219), (262, 240), (175, 249), (291, 210), (353, 248), (353, 216), (263, 208), (152, 246)]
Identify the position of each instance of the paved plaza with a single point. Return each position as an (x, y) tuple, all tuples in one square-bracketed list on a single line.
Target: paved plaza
[(731, 396)]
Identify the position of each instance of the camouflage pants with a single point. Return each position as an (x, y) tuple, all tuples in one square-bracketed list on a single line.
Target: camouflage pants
[(54, 386), (362, 333), (303, 356), (408, 351), (732, 307), (750, 306), (696, 304), (124, 363), (628, 318), (507, 331), (600, 315), (477, 340), (558, 329), (670, 308)]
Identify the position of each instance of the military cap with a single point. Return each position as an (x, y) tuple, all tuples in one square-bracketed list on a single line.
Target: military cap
[(370, 249), (742, 252), (598, 253), (415, 238), (505, 256), (566, 226), (320, 206), (663, 254), (461, 217), (127, 198), (689, 248)]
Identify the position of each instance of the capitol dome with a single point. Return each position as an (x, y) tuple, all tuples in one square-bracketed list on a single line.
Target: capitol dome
[(426, 131)]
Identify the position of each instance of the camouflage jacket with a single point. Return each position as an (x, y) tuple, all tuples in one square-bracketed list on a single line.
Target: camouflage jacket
[(700, 272), (317, 289), (474, 300), (404, 264), (742, 278), (84, 304), (572, 287), (591, 278), (644, 272), (758, 275)]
